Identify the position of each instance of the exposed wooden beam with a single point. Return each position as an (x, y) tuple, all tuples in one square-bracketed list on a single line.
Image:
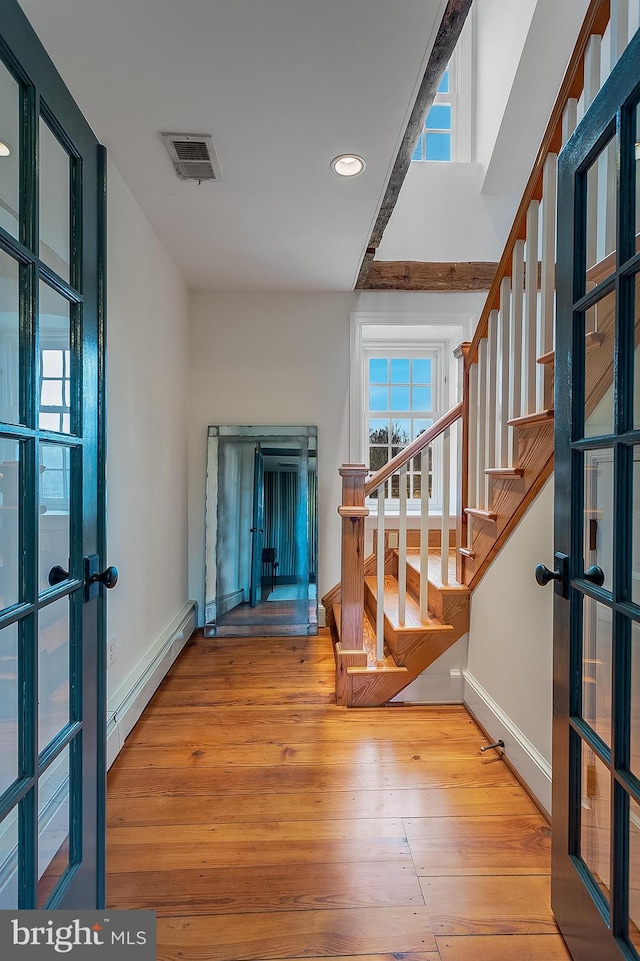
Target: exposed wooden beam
[(446, 39), (418, 275)]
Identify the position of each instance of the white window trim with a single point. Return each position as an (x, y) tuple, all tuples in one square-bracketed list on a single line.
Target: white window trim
[(429, 331)]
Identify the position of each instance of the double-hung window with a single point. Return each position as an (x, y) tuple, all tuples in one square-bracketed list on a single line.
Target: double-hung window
[(402, 399)]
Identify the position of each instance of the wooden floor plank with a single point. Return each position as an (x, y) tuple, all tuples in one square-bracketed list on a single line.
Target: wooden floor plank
[(287, 934), (236, 890), (515, 947), (489, 905), (423, 774), (480, 845), (157, 728), (238, 808), (312, 752)]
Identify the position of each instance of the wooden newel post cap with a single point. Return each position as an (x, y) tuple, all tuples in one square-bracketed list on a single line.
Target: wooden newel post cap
[(353, 512), (353, 470)]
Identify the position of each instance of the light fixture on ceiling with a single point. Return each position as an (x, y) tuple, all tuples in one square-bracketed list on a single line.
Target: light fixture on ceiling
[(5, 150), (348, 165)]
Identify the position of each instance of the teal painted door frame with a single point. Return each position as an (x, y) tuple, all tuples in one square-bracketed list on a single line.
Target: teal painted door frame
[(596, 785), (52, 799)]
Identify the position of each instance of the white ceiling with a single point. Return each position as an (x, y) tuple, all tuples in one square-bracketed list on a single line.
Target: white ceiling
[(283, 86)]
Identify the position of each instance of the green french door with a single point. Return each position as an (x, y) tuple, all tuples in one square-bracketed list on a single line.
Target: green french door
[(596, 746), (52, 672)]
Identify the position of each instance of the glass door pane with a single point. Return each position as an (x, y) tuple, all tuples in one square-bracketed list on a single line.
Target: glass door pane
[(55, 202), (9, 152)]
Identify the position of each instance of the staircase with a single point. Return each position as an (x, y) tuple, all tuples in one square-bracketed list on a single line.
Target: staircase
[(395, 612)]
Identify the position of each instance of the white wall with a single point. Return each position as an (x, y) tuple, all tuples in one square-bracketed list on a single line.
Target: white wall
[(147, 438), (283, 358), (511, 633), (514, 96), (442, 215)]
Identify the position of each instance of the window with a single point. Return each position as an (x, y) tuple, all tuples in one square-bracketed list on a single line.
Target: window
[(55, 390), (434, 142), (401, 399), (447, 131)]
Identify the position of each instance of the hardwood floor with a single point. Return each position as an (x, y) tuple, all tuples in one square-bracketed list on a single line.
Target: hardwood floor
[(261, 821)]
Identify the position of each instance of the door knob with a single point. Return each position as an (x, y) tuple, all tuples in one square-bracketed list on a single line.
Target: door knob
[(93, 577), (108, 577), (543, 575), (560, 574), (595, 574), (57, 575)]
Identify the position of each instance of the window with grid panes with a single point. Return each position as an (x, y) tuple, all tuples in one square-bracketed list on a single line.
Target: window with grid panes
[(434, 142), (402, 399)]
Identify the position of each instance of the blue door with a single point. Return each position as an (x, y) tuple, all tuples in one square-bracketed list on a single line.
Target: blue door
[(257, 528), (52, 670)]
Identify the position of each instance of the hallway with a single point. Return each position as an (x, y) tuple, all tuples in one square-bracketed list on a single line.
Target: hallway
[(261, 821)]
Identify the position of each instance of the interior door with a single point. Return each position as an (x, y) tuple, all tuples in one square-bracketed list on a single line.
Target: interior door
[(257, 527), (596, 747), (52, 671)]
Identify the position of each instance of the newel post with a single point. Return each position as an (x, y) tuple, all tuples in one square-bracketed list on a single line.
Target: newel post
[(353, 513), (462, 493)]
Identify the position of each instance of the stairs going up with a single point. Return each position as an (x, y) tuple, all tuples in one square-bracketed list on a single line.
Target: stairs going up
[(409, 648)]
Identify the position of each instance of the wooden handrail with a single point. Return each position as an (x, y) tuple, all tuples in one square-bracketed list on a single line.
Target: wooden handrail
[(595, 22), (416, 447)]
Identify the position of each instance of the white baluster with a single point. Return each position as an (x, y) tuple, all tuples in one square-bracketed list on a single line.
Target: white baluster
[(569, 119), (548, 280), (505, 361), (492, 393), (634, 17), (424, 533), (446, 491), (402, 546), (592, 56), (529, 355), (515, 336), (472, 450), (481, 478), (380, 575), (619, 29)]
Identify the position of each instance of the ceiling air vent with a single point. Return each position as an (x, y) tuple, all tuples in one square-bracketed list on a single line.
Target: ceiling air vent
[(193, 156)]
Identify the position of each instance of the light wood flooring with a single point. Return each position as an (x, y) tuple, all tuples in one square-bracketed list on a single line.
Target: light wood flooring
[(261, 821)]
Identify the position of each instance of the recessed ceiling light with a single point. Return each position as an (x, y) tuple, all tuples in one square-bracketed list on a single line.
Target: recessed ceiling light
[(4, 149), (348, 165)]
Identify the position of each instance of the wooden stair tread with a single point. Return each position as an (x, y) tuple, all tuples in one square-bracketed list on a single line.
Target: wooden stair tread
[(505, 471), (592, 340), (547, 359), (413, 560), (481, 515), (413, 621), (532, 420)]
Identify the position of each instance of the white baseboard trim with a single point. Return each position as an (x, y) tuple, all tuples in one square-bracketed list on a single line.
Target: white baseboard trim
[(322, 616), (532, 767), (127, 703)]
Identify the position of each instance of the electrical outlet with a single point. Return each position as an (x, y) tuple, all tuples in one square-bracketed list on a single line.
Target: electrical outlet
[(111, 651)]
